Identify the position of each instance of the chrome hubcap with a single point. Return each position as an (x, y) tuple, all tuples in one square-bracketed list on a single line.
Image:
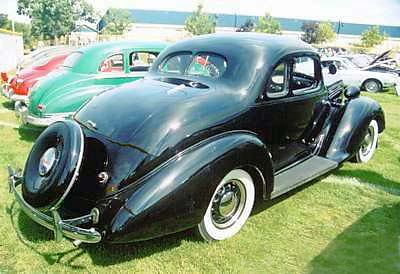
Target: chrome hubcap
[(366, 145), (228, 203), (371, 86), (47, 161)]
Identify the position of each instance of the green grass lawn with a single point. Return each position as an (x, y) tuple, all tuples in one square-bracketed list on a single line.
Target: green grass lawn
[(347, 223)]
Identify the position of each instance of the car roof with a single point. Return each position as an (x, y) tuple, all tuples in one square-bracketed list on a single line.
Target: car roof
[(121, 45), (279, 44), (250, 56), (94, 54)]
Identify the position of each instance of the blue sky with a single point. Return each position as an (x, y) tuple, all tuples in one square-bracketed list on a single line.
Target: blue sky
[(381, 12)]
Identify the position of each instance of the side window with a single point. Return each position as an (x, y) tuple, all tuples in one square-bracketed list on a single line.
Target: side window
[(304, 75), (141, 60), (277, 85), (113, 63), (176, 64)]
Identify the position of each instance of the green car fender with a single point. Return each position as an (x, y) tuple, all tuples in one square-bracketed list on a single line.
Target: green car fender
[(52, 86), (70, 102)]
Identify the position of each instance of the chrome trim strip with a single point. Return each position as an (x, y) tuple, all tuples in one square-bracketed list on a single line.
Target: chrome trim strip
[(16, 97), (76, 172), (21, 111), (90, 235)]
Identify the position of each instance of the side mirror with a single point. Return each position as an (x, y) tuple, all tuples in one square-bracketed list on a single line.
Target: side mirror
[(332, 69), (352, 92)]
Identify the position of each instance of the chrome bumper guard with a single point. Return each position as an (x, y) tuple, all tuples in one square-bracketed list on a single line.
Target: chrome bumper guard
[(68, 228)]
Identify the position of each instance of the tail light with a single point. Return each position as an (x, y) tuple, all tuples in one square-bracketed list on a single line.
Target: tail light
[(4, 77), (41, 107)]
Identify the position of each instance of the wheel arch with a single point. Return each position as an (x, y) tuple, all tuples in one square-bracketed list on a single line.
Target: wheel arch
[(372, 79), (352, 127), (176, 197)]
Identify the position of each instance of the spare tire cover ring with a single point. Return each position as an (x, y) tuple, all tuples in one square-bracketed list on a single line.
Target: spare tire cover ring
[(47, 190)]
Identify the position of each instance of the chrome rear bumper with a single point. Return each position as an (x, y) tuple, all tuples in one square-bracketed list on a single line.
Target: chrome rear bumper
[(68, 228), (21, 111)]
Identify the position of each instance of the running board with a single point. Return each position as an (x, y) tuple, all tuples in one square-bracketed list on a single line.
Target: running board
[(301, 173)]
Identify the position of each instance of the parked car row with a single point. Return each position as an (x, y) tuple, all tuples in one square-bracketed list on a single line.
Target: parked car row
[(83, 74), (370, 74), (218, 122)]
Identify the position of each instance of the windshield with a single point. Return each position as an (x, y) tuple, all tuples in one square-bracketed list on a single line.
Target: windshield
[(70, 61), (349, 64), (186, 64), (360, 61)]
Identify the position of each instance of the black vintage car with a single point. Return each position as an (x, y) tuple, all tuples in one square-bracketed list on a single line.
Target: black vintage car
[(220, 121)]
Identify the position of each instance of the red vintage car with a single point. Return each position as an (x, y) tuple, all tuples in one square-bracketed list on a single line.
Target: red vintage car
[(19, 86)]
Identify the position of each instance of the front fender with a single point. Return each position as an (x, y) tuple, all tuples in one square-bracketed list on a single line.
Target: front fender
[(353, 126), (176, 196)]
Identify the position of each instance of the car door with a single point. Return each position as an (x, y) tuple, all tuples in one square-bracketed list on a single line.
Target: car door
[(288, 106), (113, 70)]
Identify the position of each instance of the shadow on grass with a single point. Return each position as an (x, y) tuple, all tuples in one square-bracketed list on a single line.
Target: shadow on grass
[(8, 105), (28, 133), (30, 234), (262, 205), (371, 245), (110, 254)]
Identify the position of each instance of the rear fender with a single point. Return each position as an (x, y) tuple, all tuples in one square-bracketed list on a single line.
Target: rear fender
[(352, 127), (176, 195)]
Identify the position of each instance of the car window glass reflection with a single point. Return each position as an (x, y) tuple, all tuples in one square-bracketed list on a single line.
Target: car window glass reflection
[(276, 87), (204, 64), (141, 61), (303, 76), (114, 63)]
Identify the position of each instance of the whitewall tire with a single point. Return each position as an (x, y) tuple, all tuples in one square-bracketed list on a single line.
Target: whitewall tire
[(229, 208), (369, 143)]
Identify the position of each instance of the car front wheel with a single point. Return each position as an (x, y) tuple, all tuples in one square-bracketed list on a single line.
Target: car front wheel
[(229, 208), (368, 144), (372, 85)]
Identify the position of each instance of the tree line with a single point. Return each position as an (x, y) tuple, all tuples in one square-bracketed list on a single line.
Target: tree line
[(313, 32), (52, 19)]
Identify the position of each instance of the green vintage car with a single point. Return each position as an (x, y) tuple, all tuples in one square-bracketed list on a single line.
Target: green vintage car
[(85, 73)]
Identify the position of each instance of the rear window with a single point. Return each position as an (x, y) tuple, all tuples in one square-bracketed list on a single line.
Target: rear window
[(70, 61), (202, 64)]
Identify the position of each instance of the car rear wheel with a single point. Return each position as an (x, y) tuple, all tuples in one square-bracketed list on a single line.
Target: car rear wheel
[(369, 143), (229, 208), (372, 85)]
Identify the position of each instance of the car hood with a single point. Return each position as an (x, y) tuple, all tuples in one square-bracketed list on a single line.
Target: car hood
[(155, 116)]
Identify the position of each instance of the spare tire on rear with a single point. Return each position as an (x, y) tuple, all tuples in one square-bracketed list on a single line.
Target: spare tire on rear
[(53, 165)]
